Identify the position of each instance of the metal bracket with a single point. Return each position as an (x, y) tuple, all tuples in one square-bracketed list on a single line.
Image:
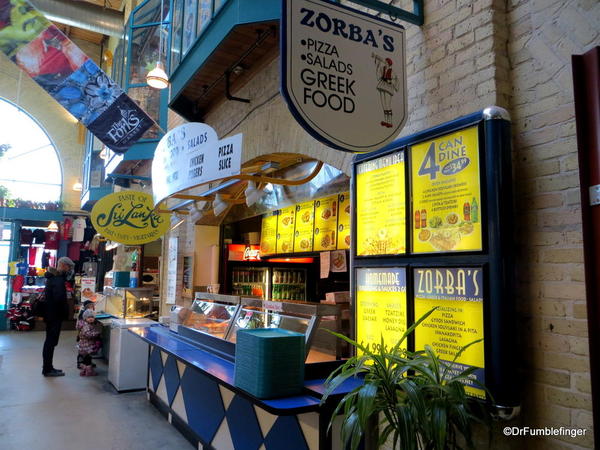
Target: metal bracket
[(228, 93), (417, 17), (595, 195)]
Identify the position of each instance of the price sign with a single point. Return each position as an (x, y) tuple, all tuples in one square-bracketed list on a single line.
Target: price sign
[(285, 229), (380, 306), (380, 206), (343, 235), (305, 220), (326, 214), (458, 321), (446, 194), (268, 234)]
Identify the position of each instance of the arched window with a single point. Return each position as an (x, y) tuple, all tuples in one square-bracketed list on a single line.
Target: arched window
[(30, 168)]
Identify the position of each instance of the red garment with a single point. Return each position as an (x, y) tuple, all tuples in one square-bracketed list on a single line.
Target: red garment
[(73, 251), (32, 255), (18, 283), (67, 230), (51, 240), (387, 74)]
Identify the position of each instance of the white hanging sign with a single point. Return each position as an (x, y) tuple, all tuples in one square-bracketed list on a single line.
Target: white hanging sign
[(343, 74), (191, 155)]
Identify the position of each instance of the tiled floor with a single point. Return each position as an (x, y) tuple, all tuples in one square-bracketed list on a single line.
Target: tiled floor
[(71, 412)]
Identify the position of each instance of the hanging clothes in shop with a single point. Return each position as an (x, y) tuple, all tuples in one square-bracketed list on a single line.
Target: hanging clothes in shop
[(63, 248), (18, 282), (22, 268), (45, 260), (67, 229), (32, 255), (74, 251), (78, 229), (51, 240), (26, 236), (39, 236)]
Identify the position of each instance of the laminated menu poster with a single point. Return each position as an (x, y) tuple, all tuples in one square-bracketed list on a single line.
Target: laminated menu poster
[(458, 321), (326, 215), (305, 219), (446, 194), (343, 234), (285, 229), (380, 306), (268, 234), (381, 206)]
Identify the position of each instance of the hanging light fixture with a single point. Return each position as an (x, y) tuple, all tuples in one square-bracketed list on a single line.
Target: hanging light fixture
[(253, 194), (78, 186), (176, 221), (196, 211), (157, 78), (219, 205), (53, 226)]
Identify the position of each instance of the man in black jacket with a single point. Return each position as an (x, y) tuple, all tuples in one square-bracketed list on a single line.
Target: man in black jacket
[(56, 310)]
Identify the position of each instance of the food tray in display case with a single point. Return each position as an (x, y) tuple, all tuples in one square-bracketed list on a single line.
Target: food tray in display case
[(302, 317), (214, 319), (128, 303)]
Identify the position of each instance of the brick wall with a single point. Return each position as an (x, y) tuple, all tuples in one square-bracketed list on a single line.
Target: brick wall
[(551, 294), (468, 55)]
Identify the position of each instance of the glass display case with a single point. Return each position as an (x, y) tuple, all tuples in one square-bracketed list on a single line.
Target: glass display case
[(129, 303), (212, 317), (222, 316)]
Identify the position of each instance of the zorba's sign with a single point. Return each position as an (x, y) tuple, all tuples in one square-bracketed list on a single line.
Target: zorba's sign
[(343, 74), (126, 217), (191, 155)]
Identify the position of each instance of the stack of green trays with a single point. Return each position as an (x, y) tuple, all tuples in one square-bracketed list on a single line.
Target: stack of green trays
[(269, 362)]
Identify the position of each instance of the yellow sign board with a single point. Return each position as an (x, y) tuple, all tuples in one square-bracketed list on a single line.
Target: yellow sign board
[(343, 235), (458, 321), (268, 234), (305, 220), (126, 217), (380, 306), (381, 206), (326, 217), (446, 194), (285, 229)]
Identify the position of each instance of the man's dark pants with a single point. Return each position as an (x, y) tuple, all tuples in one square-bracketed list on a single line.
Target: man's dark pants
[(52, 335)]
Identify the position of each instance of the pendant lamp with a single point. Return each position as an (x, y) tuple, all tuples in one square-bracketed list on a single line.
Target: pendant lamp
[(157, 78)]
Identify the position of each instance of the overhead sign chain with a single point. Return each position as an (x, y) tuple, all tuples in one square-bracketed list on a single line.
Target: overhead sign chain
[(343, 74)]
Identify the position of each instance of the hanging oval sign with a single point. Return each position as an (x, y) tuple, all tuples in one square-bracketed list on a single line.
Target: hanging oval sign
[(126, 217), (343, 74)]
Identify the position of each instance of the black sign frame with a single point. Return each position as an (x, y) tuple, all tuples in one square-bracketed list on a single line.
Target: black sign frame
[(496, 258)]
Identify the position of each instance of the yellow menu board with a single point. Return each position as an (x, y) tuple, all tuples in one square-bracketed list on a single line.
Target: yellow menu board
[(458, 321), (343, 235), (285, 229), (380, 206), (305, 219), (268, 234), (326, 216), (380, 306), (446, 194)]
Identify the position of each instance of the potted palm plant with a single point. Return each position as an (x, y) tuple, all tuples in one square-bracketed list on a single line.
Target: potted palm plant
[(414, 398)]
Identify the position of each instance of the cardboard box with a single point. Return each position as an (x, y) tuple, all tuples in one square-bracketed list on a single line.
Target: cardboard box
[(337, 297)]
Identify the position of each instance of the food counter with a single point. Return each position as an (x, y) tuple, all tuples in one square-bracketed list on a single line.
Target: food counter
[(192, 386), (191, 376)]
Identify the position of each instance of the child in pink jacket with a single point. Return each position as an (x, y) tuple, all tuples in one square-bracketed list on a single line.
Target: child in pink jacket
[(89, 341)]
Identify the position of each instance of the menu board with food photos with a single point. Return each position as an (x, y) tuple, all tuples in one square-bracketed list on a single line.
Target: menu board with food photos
[(380, 306), (285, 229), (305, 220), (343, 234), (446, 193), (268, 234), (380, 206), (457, 292), (326, 215)]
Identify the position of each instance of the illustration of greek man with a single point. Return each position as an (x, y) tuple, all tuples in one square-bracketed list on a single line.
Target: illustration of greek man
[(387, 86)]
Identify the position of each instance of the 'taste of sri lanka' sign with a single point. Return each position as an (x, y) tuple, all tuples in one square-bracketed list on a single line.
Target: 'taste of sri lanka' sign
[(343, 74), (126, 217)]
